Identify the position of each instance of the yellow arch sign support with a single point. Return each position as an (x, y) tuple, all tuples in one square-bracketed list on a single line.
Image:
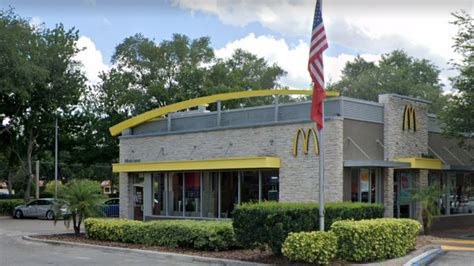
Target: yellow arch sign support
[(306, 138), (141, 118)]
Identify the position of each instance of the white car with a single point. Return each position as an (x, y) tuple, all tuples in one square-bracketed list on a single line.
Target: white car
[(40, 208)]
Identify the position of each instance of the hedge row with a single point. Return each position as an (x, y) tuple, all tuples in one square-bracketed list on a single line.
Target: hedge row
[(312, 247), (378, 239), (106, 230), (7, 205), (258, 225), (358, 241), (200, 235)]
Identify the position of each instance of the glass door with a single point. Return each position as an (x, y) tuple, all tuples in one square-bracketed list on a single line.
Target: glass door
[(138, 197), (403, 186)]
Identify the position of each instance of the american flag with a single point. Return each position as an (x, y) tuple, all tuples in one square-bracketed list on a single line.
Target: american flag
[(315, 65)]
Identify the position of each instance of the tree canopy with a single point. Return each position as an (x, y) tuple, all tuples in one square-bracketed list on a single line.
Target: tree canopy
[(39, 80), (458, 116), (395, 72)]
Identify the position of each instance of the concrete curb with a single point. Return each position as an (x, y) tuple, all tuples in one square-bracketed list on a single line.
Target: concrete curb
[(156, 254), (426, 258), (397, 261)]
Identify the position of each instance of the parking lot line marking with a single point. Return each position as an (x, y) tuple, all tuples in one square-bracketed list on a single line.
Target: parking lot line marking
[(456, 241), (457, 248)]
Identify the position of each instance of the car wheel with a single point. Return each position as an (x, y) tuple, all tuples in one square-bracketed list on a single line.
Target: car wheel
[(18, 214), (50, 215)]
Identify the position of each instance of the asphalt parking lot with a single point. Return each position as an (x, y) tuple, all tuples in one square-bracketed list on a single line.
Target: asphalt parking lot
[(16, 251)]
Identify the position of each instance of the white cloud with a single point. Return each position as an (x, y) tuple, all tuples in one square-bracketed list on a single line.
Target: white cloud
[(36, 22), (292, 59), (368, 26), (91, 59)]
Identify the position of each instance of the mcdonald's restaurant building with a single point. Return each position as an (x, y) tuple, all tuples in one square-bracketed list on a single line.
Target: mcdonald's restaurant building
[(200, 164)]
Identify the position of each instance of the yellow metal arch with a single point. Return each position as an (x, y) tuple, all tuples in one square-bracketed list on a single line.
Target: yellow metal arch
[(409, 118), (299, 132), (312, 131), (306, 138), (141, 118)]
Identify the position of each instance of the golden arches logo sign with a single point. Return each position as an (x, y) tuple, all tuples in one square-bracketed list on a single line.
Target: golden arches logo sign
[(409, 118), (307, 136)]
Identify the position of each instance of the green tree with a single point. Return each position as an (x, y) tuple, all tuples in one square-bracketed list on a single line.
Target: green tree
[(148, 75), (458, 116), (428, 198), (39, 80), (83, 197), (396, 72)]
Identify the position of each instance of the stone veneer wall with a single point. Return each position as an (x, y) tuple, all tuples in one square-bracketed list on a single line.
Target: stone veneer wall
[(126, 196), (299, 177), (387, 176), (399, 143)]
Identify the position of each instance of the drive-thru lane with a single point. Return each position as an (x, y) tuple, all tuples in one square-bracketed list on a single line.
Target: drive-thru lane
[(16, 251)]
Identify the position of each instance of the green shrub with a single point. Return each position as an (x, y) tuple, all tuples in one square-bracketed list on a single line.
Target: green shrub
[(312, 247), (200, 235), (378, 239), (8, 205), (258, 225), (107, 230)]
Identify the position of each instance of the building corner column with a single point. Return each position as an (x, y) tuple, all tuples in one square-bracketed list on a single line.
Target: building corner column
[(126, 196), (388, 192), (147, 195)]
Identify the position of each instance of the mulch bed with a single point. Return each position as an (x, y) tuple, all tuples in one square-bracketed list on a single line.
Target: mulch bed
[(240, 254), (266, 257)]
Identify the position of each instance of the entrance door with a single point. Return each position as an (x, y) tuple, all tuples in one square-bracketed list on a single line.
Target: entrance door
[(403, 186), (138, 202)]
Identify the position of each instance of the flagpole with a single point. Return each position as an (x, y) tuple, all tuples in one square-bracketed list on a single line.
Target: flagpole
[(321, 173)]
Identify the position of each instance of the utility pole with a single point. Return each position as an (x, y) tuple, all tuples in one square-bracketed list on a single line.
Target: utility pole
[(37, 179), (56, 160)]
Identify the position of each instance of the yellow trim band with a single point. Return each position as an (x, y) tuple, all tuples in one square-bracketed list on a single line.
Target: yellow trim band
[(139, 119), (212, 164), (421, 163)]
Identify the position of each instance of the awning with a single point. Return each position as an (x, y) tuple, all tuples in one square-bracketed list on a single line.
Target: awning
[(192, 165), (374, 163), (421, 163)]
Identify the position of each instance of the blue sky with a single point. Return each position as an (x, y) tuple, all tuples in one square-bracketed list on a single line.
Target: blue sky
[(275, 29)]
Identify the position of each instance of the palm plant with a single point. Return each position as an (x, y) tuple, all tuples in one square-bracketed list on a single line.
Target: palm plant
[(428, 198), (83, 197)]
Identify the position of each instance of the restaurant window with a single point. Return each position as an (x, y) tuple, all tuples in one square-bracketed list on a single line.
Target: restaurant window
[(456, 191), (229, 183), (249, 186), (210, 190), (192, 194), (176, 194), (208, 194), (159, 195), (270, 185), (366, 185)]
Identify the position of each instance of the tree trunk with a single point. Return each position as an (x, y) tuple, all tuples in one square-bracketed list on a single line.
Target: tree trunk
[(77, 229), (9, 180), (29, 162), (424, 218)]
